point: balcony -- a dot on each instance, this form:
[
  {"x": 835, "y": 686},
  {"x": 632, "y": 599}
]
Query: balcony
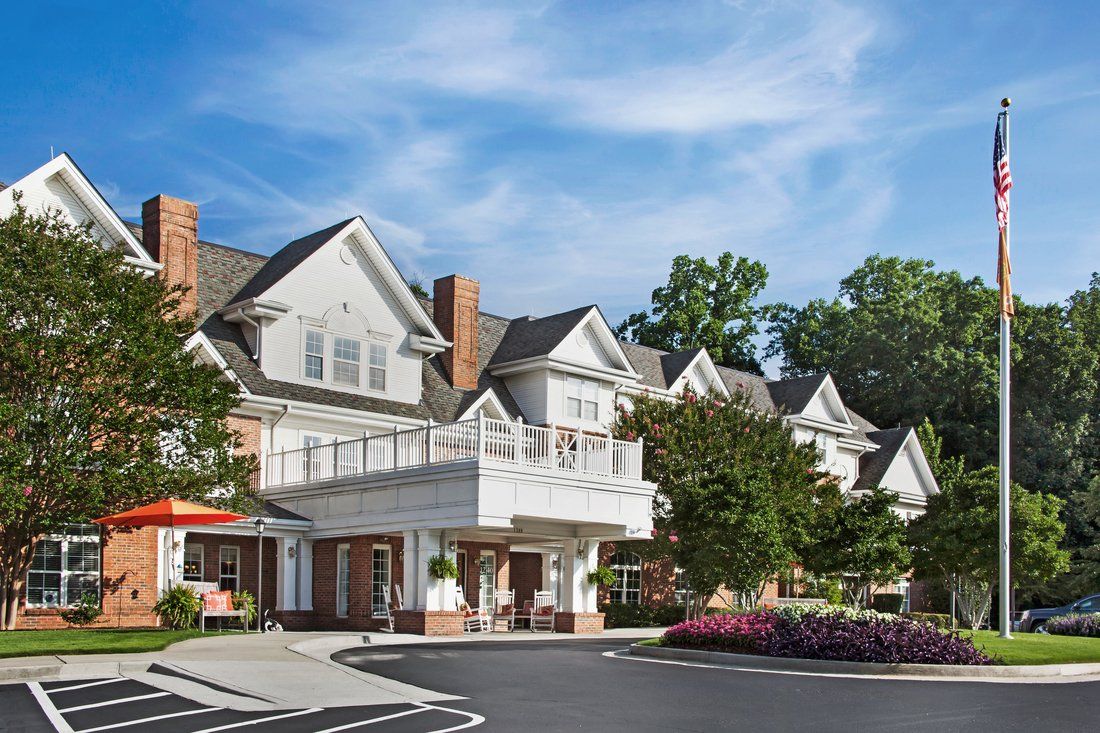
[{"x": 477, "y": 440}]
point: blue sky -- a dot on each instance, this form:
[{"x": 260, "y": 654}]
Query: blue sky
[{"x": 563, "y": 153}]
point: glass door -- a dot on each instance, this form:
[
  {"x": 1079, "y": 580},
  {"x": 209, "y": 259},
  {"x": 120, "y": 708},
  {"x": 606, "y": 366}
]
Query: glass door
[{"x": 488, "y": 570}]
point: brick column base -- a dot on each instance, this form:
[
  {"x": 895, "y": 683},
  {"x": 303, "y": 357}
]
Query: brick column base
[
  {"x": 578, "y": 623},
  {"x": 428, "y": 623}
]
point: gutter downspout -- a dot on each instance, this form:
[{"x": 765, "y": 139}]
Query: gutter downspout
[
  {"x": 271, "y": 438},
  {"x": 259, "y": 334}
]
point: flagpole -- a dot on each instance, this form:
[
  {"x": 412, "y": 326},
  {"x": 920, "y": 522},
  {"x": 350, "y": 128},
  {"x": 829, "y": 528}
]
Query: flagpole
[{"x": 1006, "y": 350}]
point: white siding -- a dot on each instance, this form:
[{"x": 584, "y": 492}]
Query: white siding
[
  {"x": 903, "y": 476},
  {"x": 56, "y": 194},
  {"x": 583, "y": 345},
  {"x": 323, "y": 281},
  {"x": 530, "y": 391}
]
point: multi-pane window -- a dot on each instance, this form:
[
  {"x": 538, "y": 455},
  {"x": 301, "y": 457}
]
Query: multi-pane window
[
  {"x": 192, "y": 563},
  {"x": 680, "y": 586},
  {"x": 229, "y": 567},
  {"x": 628, "y": 578},
  {"x": 379, "y": 579},
  {"x": 64, "y": 567},
  {"x": 582, "y": 398},
  {"x": 315, "y": 355},
  {"x": 345, "y": 361},
  {"x": 901, "y": 587},
  {"x": 376, "y": 378},
  {"x": 487, "y": 569},
  {"x": 343, "y": 579}
]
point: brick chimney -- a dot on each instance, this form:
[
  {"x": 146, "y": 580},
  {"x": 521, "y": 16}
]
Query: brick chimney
[
  {"x": 170, "y": 234},
  {"x": 456, "y": 304}
]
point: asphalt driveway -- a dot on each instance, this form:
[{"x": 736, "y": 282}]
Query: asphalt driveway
[{"x": 559, "y": 685}]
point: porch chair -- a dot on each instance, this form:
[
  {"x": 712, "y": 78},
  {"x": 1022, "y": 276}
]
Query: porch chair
[
  {"x": 542, "y": 617},
  {"x": 504, "y": 609},
  {"x": 473, "y": 619},
  {"x": 389, "y": 608}
]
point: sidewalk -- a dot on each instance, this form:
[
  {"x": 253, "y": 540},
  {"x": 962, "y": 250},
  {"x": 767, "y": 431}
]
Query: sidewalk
[{"x": 266, "y": 671}]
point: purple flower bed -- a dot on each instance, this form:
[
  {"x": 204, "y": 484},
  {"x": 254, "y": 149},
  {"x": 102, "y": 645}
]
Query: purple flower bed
[
  {"x": 1075, "y": 624},
  {"x": 822, "y": 634},
  {"x": 744, "y": 633}
]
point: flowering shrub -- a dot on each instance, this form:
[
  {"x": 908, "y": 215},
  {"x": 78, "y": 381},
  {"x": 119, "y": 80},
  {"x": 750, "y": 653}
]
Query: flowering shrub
[
  {"x": 744, "y": 633},
  {"x": 1075, "y": 624},
  {"x": 826, "y": 632},
  {"x": 892, "y": 641}
]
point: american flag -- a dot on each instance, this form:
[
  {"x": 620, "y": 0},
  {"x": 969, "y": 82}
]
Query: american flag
[{"x": 1002, "y": 182}]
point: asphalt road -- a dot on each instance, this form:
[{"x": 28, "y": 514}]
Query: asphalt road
[
  {"x": 570, "y": 685},
  {"x": 119, "y": 704}
]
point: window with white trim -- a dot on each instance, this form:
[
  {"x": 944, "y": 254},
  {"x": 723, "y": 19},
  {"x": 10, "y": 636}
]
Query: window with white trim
[
  {"x": 314, "y": 366},
  {"x": 229, "y": 567},
  {"x": 376, "y": 375},
  {"x": 582, "y": 398},
  {"x": 311, "y": 460},
  {"x": 345, "y": 361},
  {"x": 64, "y": 567},
  {"x": 901, "y": 587},
  {"x": 487, "y": 570},
  {"x": 379, "y": 579},
  {"x": 628, "y": 578},
  {"x": 680, "y": 586},
  {"x": 192, "y": 563},
  {"x": 343, "y": 579}
]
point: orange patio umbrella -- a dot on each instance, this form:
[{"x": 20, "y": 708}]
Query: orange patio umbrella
[{"x": 169, "y": 513}]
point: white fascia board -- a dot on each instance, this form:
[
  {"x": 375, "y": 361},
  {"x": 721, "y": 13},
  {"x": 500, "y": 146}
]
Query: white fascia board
[
  {"x": 912, "y": 444},
  {"x": 290, "y": 528},
  {"x": 254, "y": 308},
  {"x": 819, "y": 424},
  {"x": 392, "y": 276},
  {"x": 489, "y": 398},
  {"x": 198, "y": 340},
  {"x": 715, "y": 377},
  {"x": 146, "y": 268},
  {"x": 359, "y": 418},
  {"x": 607, "y": 336},
  {"x": 849, "y": 442},
  {"x": 427, "y": 344},
  {"x": 833, "y": 395},
  {"x": 537, "y": 363},
  {"x": 69, "y": 172}
]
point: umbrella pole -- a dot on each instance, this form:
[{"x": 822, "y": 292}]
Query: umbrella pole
[{"x": 171, "y": 553}]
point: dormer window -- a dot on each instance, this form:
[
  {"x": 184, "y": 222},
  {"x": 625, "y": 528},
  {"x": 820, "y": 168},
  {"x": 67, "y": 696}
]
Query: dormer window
[
  {"x": 345, "y": 361},
  {"x": 376, "y": 377},
  {"x": 582, "y": 398},
  {"x": 315, "y": 355}
]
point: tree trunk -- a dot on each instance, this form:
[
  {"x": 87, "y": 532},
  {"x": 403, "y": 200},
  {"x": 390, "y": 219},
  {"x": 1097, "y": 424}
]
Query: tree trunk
[{"x": 15, "y": 560}]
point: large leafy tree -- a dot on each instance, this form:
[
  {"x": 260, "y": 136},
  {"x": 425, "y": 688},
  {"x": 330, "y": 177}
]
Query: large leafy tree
[
  {"x": 705, "y": 305},
  {"x": 862, "y": 540},
  {"x": 101, "y": 408},
  {"x": 738, "y": 494},
  {"x": 956, "y": 541}
]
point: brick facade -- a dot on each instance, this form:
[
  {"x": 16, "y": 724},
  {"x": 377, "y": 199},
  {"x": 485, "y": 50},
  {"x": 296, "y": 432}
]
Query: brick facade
[
  {"x": 248, "y": 569},
  {"x": 248, "y": 432},
  {"x": 428, "y": 623},
  {"x": 578, "y": 623},
  {"x": 525, "y": 575},
  {"x": 471, "y": 584},
  {"x": 359, "y": 616}
]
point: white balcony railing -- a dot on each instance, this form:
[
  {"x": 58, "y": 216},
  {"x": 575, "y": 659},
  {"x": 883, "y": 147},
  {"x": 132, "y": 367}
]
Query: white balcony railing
[{"x": 476, "y": 439}]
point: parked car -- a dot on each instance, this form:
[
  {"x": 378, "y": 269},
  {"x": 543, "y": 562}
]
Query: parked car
[{"x": 1035, "y": 619}]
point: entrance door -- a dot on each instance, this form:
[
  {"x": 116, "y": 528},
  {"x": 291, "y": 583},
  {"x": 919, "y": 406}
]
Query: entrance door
[{"x": 487, "y": 568}]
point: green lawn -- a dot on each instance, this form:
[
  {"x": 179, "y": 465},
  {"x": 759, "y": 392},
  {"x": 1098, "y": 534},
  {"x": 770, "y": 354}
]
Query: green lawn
[
  {"x": 79, "y": 641},
  {"x": 1037, "y": 648}
]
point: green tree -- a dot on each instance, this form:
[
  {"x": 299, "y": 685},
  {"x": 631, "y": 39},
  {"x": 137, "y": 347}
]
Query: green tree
[
  {"x": 705, "y": 305},
  {"x": 102, "y": 409},
  {"x": 737, "y": 493},
  {"x": 862, "y": 540}
]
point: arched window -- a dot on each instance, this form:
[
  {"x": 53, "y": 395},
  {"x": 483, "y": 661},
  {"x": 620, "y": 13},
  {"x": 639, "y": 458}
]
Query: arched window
[{"x": 628, "y": 578}]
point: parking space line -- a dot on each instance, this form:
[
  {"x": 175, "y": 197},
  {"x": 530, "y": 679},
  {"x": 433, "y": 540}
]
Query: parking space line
[
  {"x": 116, "y": 701},
  {"x": 139, "y": 721},
  {"x": 51, "y": 711},
  {"x": 372, "y": 721},
  {"x": 255, "y": 721},
  {"x": 85, "y": 684},
  {"x": 475, "y": 719}
]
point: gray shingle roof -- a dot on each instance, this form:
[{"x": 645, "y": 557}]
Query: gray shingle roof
[
  {"x": 529, "y": 337},
  {"x": 647, "y": 363},
  {"x": 673, "y": 365},
  {"x": 271, "y": 510},
  {"x": 792, "y": 395},
  {"x": 873, "y": 466},
  {"x": 753, "y": 384}
]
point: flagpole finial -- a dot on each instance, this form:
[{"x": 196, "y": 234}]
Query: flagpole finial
[{"x": 1005, "y": 102}]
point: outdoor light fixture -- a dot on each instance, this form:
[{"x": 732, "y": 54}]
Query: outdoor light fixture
[
  {"x": 451, "y": 545},
  {"x": 260, "y": 525}
]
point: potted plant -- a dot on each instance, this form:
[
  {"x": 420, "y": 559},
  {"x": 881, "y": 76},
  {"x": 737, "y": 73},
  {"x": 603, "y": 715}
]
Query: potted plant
[
  {"x": 178, "y": 607},
  {"x": 602, "y": 575},
  {"x": 442, "y": 567}
]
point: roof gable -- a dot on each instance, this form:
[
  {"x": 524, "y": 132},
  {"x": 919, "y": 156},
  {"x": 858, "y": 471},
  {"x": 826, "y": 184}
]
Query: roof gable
[
  {"x": 531, "y": 337},
  {"x": 61, "y": 185},
  {"x": 898, "y": 465}
]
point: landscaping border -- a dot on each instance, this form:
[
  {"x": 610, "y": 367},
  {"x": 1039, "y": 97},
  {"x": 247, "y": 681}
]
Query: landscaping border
[{"x": 869, "y": 669}]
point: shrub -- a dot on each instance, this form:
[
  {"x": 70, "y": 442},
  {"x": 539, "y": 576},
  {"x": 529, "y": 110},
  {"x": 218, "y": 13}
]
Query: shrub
[
  {"x": 243, "y": 600},
  {"x": 941, "y": 621},
  {"x": 887, "y": 602},
  {"x": 889, "y": 640},
  {"x": 1075, "y": 624},
  {"x": 626, "y": 615},
  {"x": 178, "y": 607},
  {"x": 827, "y": 588},
  {"x": 667, "y": 615},
  {"x": 85, "y": 612},
  {"x": 796, "y": 612},
  {"x": 745, "y": 633}
]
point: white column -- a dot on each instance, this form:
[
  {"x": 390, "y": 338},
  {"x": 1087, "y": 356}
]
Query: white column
[
  {"x": 305, "y": 575},
  {"x": 572, "y": 578},
  {"x": 428, "y": 589},
  {"x": 409, "y": 563},
  {"x": 286, "y": 574},
  {"x": 548, "y": 575},
  {"x": 591, "y": 559},
  {"x": 169, "y": 556}
]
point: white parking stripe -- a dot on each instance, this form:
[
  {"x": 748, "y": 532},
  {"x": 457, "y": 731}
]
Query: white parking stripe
[
  {"x": 260, "y": 720},
  {"x": 48, "y": 708},
  {"x": 86, "y": 684},
  {"x": 475, "y": 719},
  {"x": 372, "y": 721},
  {"x": 148, "y": 720},
  {"x": 116, "y": 701}
]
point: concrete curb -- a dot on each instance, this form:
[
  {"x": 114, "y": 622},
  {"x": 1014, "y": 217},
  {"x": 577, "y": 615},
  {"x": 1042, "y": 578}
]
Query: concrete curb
[
  {"x": 867, "y": 669},
  {"x": 65, "y": 671}
]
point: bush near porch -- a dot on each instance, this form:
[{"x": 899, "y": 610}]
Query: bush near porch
[
  {"x": 632, "y": 616},
  {"x": 828, "y": 633}
]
